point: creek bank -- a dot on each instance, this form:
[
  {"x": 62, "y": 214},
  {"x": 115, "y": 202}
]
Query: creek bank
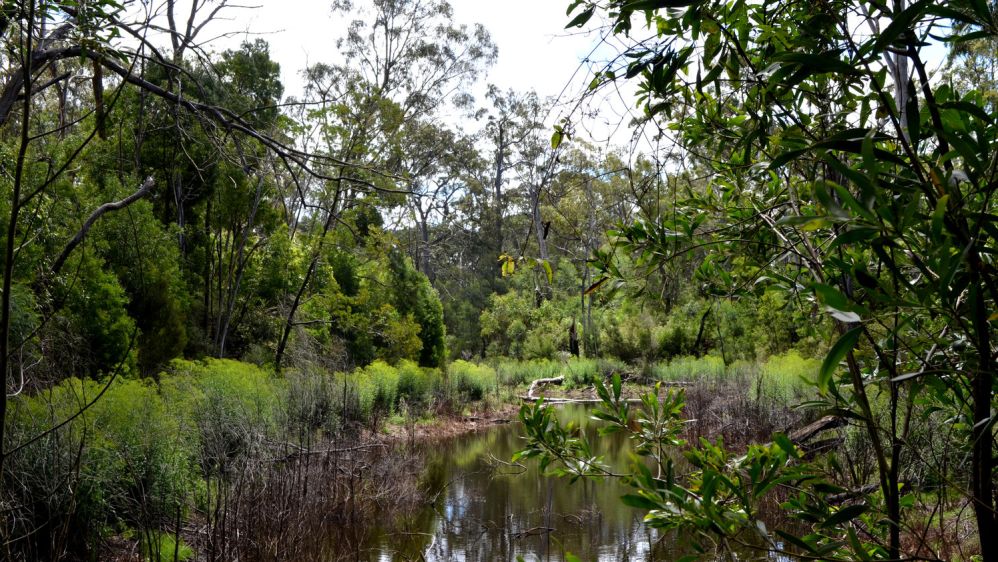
[{"x": 444, "y": 426}]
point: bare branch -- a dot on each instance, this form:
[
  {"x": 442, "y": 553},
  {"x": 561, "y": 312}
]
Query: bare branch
[{"x": 98, "y": 213}]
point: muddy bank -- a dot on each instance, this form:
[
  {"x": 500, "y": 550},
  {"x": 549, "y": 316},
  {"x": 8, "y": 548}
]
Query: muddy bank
[{"x": 446, "y": 425}]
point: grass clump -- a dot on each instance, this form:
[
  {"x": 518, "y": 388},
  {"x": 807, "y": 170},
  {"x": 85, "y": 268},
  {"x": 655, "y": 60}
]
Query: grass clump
[
  {"x": 690, "y": 369},
  {"x": 470, "y": 382},
  {"x": 785, "y": 377},
  {"x": 156, "y": 546}
]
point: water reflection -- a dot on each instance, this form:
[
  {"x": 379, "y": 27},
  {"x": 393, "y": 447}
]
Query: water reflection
[{"x": 495, "y": 511}]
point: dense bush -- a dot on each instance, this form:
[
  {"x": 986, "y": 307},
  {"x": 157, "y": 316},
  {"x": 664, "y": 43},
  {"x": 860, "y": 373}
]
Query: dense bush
[
  {"x": 470, "y": 382},
  {"x": 146, "y": 449},
  {"x": 681, "y": 369}
]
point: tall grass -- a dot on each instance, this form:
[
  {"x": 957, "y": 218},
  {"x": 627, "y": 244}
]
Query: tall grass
[
  {"x": 579, "y": 372},
  {"x": 471, "y": 382},
  {"x": 690, "y": 369},
  {"x": 785, "y": 377}
]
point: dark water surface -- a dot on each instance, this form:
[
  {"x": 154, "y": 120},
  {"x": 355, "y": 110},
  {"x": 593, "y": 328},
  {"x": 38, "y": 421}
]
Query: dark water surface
[{"x": 488, "y": 509}]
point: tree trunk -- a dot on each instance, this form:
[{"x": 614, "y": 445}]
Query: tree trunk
[{"x": 241, "y": 260}]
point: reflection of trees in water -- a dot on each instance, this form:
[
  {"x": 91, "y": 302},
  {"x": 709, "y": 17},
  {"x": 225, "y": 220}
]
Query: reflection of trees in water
[{"x": 486, "y": 508}]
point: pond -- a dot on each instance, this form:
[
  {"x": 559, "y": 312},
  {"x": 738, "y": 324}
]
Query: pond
[
  {"x": 485, "y": 508},
  {"x": 488, "y": 509}
]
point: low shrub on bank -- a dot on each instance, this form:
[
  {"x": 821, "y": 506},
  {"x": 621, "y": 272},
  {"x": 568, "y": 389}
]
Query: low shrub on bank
[
  {"x": 781, "y": 378},
  {"x": 784, "y": 377},
  {"x": 689, "y": 369},
  {"x": 470, "y": 382},
  {"x": 142, "y": 451}
]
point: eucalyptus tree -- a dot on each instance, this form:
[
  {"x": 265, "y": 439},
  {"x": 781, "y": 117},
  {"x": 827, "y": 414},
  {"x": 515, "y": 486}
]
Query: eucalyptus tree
[
  {"x": 838, "y": 171},
  {"x": 403, "y": 62},
  {"x": 413, "y": 52}
]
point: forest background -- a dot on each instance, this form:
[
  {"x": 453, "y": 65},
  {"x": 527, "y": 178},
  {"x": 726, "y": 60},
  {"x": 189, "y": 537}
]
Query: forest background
[{"x": 201, "y": 270}]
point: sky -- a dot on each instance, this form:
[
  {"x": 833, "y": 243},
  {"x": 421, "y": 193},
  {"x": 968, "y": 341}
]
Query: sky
[{"x": 535, "y": 51}]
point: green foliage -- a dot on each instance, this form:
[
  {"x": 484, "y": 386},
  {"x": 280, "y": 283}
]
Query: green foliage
[
  {"x": 787, "y": 377},
  {"x": 379, "y": 384},
  {"x": 417, "y": 385},
  {"x": 469, "y": 382},
  {"x": 515, "y": 327},
  {"x": 156, "y": 546},
  {"x": 414, "y": 295},
  {"x": 826, "y": 166},
  {"x": 683, "y": 369},
  {"x": 97, "y": 305},
  {"x": 150, "y": 274}
]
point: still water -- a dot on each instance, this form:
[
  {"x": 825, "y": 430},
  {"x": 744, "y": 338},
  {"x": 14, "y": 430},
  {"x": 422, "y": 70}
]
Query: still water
[{"x": 490, "y": 510}]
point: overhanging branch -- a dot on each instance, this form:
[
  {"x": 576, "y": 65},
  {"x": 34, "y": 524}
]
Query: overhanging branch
[{"x": 98, "y": 213}]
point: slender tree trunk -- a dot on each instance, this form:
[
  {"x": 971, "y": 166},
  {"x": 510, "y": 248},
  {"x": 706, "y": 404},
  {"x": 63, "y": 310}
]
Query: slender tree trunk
[
  {"x": 542, "y": 243},
  {"x": 11, "y": 241},
  {"x": 497, "y": 187},
  {"x": 290, "y": 319},
  {"x": 982, "y": 458},
  {"x": 241, "y": 261},
  {"x": 424, "y": 250}
]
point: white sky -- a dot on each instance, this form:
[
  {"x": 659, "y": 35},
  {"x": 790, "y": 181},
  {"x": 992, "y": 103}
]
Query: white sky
[{"x": 535, "y": 51}]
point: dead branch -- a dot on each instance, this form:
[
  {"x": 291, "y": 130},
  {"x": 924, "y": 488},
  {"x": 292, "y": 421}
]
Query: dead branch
[{"x": 98, "y": 213}]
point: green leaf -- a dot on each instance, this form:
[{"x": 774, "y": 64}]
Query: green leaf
[
  {"x": 830, "y": 296},
  {"x": 796, "y": 541},
  {"x": 582, "y": 18},
  {"x": 967, "y": 107},
  {"x": 842, "y": 347},
  {"x": 844, "y": 515},
  {"x": 900, "y": 24},
  {"x": 639, "y": 502},
  {"x": 547, "y": 269},
  {"x": 595, "y": 286},
  {"x": 784, "y": 443}
]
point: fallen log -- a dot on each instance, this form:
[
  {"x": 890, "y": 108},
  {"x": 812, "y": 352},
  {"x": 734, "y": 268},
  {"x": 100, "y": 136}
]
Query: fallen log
[
  {"x": 540, "y": 382},
  {"x": 853, "y": 494},
  {"x": 806, "y": 433}
]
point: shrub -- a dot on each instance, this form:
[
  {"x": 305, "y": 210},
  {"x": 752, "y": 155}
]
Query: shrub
[
  {"x": 125, "y": 459},
  {"x": 416, "y": 385},
  {"x": 235, "y": 409},
  {"x": 581, "y": 372},
  {"x": 470, "y": 382},
  {"x": 311, "y": 402},
  {"x": 689, "y": 369},
  {"x": 784, "y": 377},
  {"x": 378, "y": 384}
]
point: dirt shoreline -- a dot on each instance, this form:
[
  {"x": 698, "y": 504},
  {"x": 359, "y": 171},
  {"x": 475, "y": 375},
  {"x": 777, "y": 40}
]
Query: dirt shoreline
[{"x": 447, "y": 426}]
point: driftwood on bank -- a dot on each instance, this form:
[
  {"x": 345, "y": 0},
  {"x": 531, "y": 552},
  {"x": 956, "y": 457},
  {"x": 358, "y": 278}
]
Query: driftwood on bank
[
  {"x": 806, "y": 433},
  {"x": 532, "y": 396},
  {"x": 542, "y": 382}
]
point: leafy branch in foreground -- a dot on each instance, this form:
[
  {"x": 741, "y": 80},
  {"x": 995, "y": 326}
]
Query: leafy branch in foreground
[
  {"x": 722, "y": 501},
  {"x": 833, "y": 168}
]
